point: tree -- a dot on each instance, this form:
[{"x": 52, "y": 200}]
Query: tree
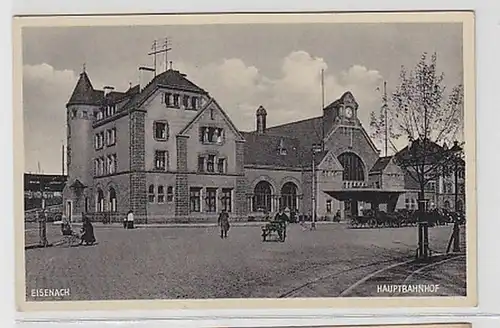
[{"x": 423, "y": 111}]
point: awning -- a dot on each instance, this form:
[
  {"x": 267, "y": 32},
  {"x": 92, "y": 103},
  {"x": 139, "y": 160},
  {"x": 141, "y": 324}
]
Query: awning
[{"x": 365, "y": 194}]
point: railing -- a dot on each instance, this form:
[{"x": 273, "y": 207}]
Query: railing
[{"x": 360, "y": 185}]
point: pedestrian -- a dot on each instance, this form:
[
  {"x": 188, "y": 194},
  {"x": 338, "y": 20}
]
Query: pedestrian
[
  {"x": 130, "y": 220},
  {"x": 88, "y": 236},
  {"x": 336, "y": 218},
  {"x": 282, "y": 219},
  {"x": 223, "y": 223},
  {"x": 42, "y": 228}
]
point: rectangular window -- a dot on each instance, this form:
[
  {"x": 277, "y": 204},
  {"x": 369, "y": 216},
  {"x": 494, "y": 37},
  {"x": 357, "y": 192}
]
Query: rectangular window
[
  {"x": 226, "y": 199},
  {"x": 111, "y": 137},
  {"x": 221, "y": 165},
  {"x": 170, "y": 193},
  {"x": 151, "y": 193},
  {"x": 160, "y": 131},
  {"x": 160, "y": 160},
  {"x": 161, "y": 194},
  {"x": 431, "y": 186},
  {"x": 194, "y": 103},
  {"x": 101, "y": 166},
  {"x": 176, "y": 101},
  {"x": 211, "y": 200},
  {"x": 211, "y": 163},
  {"x": 329, "y": 206},
  {"x": 211, "y": 135},
  {"x": 407, "y": 203},
  {"x": 168, "y": 97},
  {"x": 185, "y": 101},
  {"x": 201, "y": 164},
  {"x": 108, "y": 164},
  {"x": 194, "y": 199}
]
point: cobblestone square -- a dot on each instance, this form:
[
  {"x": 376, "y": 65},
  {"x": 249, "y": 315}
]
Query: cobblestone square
[{"x": 193, "y": 262}]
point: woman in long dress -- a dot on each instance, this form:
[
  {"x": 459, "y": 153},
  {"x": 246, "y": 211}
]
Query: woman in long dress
[{"x": 88, "y": 236}]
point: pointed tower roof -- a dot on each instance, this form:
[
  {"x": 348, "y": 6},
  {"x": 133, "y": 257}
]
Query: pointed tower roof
[
  {"x": 261, "y": 110},
  {"x": 84, "y": 93}
]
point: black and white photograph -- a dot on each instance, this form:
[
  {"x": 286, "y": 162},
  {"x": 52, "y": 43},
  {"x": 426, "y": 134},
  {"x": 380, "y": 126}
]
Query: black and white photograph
[{"x": 245, "y": 158}]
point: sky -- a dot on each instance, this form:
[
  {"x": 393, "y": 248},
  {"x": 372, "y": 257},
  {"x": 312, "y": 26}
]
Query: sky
[{"x": 242, "y": 66}]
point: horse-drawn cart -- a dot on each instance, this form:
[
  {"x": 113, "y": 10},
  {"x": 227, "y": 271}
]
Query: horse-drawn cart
[{"x": 276, "y": 228}]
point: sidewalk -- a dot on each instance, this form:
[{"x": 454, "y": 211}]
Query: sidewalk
[{"x": 195, "y": 225}]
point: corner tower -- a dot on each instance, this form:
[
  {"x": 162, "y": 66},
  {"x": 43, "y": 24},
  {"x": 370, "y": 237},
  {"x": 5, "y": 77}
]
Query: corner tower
[
  {"x": 80, "y": 111},
  {"x": 261, "y": 120}
]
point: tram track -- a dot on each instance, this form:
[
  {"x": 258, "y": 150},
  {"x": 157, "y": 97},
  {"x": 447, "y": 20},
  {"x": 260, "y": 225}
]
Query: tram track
[{"x": 396, "y": 271}]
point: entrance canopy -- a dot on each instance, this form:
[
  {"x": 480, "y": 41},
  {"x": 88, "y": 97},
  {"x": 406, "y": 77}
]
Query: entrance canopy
[{"x": 369, "y": 195}]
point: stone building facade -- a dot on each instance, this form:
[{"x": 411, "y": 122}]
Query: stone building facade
[{"x": 166, "y": 150}]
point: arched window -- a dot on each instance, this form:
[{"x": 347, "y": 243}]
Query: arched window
[
  {"x": 112, "y": 199},
  {"x": 354, "y": 170},
  {"x": 447, "y": 204},
  {"x": 262, "y": 197},
  {"x": 289, "y": 196},
  {"x": 99, "y": 200},
  {"x": 151, "y": 193}
]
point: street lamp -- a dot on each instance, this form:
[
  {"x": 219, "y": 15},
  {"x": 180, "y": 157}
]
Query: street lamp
[
  {"x": 456, "y": 150},
  {"x": 316, "y": 148}
]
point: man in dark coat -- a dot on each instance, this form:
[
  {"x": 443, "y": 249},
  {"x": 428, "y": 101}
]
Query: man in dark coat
[
  {"x": 223, "y": 222},
  {"x": 282, "y": 218}
]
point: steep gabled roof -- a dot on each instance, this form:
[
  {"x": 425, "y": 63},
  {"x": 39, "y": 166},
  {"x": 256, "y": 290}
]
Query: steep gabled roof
[
  {"x": 224, "y": 115},
  {"x": 84, "y": 93},
  {"x": 381, "y": 164},
  {"x": 264, "y": 150},
  {"x": 309, "y": 130},
  {"x": 168, "y": 79}
]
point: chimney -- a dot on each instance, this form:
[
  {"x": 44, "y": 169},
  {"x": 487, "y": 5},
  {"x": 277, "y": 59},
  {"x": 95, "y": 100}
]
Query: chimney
[
  {"x": 146, "y": 75},
  {"x": 107, "y": 90},
  {"x": 261, "y": 120}
]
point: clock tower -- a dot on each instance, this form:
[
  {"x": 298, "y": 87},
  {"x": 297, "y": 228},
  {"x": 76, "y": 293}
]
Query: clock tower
[{"x": 348, "y": 109}]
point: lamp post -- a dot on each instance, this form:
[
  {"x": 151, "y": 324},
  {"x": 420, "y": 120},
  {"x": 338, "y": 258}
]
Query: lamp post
[
  {"x": 316, "y": 148},
  {"x": 456, "y": 150}
]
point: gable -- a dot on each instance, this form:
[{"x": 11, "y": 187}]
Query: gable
[
  {"x": 211, "y": 113},
  {"x": 392, "y": 168},
  {"x": 330, "y": 163}
]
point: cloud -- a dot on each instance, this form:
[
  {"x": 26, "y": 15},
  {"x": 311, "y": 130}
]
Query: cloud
[
  {"x": 294, "y": 94},
  {"x": 45, "y": 93}
]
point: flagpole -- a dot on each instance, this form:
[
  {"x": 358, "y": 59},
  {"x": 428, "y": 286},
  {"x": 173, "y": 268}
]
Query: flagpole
[{"x": 385, "y": 116}]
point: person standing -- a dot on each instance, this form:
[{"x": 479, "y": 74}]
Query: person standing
[
  {"x": 223, "y": 222},
  {"x": 282, "y": 219},
  {"x": 130, "y": 220}
]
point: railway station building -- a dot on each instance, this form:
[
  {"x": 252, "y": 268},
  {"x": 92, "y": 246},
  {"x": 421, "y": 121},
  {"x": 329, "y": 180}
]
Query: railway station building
[{"x": 166, "y": 150}]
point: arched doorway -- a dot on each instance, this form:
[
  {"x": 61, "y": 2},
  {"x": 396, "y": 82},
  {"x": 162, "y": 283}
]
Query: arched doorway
[
  {"x": 354, "y": 169},
  {"x": 289, "y": 196},
  {"x": 112, "y": 199},
  {"x": 100, "y": 200},
  {"x": 262, "y": 197}
]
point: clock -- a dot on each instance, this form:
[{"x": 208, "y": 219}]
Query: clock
[{"x": 348, "y": 112}]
